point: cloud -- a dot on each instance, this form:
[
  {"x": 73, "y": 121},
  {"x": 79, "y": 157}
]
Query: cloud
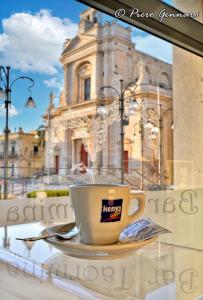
[
  {"x": 154, "y": 46},
  {"x": 55, "y": 83},
  {"x": 13, "y": 112},
  {"x": 34, "y": 42}
]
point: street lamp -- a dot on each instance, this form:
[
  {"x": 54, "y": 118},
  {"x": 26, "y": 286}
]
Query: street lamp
[
  {"x": 150, "y": 129},
  {"x": 155, "y": 130},
  {"x": 143, "y": 129},
  {"x": 141, "y": 132},
  {"x": 132, "y": 107},
  {"x": 6, "y": 94}
]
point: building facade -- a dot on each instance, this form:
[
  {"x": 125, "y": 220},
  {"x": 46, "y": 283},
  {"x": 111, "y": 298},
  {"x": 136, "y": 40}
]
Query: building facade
[
  {"x": 26, "y": 154},
  {"x": 102, "y": 55}
]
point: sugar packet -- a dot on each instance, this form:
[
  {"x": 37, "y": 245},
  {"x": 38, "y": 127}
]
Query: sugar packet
[{"x": 142, "y": 229}]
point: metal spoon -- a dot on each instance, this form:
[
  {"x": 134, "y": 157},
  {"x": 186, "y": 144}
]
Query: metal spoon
[{"x": 64, "y": 232}]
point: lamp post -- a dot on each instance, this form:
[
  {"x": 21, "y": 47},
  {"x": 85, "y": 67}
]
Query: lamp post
[
  {"x": 155, "y": 130},
  {"x": 40, "y": 137},
  {"x": 132, "y": 106},
  {"x": 49, "y": 111},
  {"x": 140, "y": 128},
  {"x": 6, "y": 94},
  {"x": 142, "y": 152}
]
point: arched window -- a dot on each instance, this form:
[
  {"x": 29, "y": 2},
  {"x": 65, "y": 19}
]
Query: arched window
[
  {"x": 147, "y": 76},
  {"x": 164, "y": 81},
  {"x": 84, "y": 82}
]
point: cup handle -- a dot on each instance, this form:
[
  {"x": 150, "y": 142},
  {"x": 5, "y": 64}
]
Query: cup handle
[{"x": 141, "y": 205}]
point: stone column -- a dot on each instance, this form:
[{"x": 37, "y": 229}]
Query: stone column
[
  {"x": 188, "y": 111},
  {"x": 63, "y": 152},
  {"x": 106, "y": 66},
  {"x": 73, "y": 84},
  {"x": 69, "y": 149},
  {"x": 66, "y": 83},
  {"x": 94, "y": 77},
  {"x": 73, "y": 152},
  {"x": 98, "y": 72}
]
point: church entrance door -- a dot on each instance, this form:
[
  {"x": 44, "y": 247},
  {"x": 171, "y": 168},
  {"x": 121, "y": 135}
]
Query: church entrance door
[{"x": 57, "y": 164}]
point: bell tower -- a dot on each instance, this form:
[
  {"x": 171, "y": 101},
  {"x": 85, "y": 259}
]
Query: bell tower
[{"x": 88, "y": 19}]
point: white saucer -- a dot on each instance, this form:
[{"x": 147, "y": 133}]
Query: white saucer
[{"x": 76, "y": 248}]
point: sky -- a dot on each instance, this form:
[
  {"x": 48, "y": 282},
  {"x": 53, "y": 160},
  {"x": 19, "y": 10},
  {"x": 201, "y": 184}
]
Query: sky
[{"x": 32, "y": 34}]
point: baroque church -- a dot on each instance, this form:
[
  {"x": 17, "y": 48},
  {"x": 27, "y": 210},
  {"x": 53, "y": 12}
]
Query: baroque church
[{"x": 101, "y": 55}]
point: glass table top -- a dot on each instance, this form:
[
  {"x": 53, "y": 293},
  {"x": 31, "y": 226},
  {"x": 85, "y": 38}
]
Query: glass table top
[{"x": 38, "y": 270}]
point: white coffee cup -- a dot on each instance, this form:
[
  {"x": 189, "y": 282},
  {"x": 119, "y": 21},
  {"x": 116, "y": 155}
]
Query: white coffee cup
[{"x": 102, "y": 211}]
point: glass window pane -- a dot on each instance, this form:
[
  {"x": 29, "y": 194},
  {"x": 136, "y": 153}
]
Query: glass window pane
[{"x": 87, "y": 88}]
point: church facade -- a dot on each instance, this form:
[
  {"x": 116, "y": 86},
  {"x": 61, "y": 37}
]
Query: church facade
[{"x": 101, "y": 55}]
